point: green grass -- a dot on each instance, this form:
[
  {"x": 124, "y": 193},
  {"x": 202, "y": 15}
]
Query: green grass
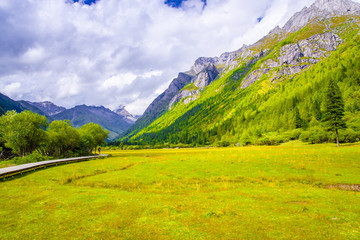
[{"x": 222, "y": 193}]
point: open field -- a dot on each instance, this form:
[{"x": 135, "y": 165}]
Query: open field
[{"x": 284, "y": 192}]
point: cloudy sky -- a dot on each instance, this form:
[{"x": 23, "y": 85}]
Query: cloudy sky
[{"x": 112, "y": 52}]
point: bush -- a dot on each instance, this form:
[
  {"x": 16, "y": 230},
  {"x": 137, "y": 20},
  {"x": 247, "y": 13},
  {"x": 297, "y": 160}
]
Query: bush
[
  {"x": 33, "y": 157},
  {"x": 315, "y": 135},
  {"x": 224, "y": 144},
  {"x": 246, "y": 139},
  {"x": 271, "y": 139},
  {"x": 294, "y": 134},
  {"x": 134, "y": 147},
  {"x": 349, "y": 136}
]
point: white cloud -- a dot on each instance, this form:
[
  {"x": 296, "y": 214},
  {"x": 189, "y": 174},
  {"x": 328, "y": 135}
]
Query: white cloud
[
  {"x": 68, "y": 86},
  {"x": 12, "y": 88},
  {"x": 33, "y": 55},
  {"x": 118, "y": 81},
  {"x": 120, "y": 52}
]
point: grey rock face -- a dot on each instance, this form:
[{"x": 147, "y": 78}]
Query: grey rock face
[
  {"x": 202, "y": 62},
  {"x": 187, "y": 95},
  {"x": 162, "y": 101},
  {"x": 322, "y": 9},
  {"x": 208, "y": 74},
  {"x": 293, "y": 58},
  {"x": 227, "y": 59}
]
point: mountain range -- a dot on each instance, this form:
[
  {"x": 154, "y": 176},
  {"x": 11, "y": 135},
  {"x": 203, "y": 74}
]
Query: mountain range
[
  {"x": 227, "y": 98},
  {"x": 115, "y": 122}
]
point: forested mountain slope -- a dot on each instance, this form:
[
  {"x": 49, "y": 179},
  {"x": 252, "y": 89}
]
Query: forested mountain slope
[
  {"x": 7, "y": 104},
  {"x": 271, "y": 91}
]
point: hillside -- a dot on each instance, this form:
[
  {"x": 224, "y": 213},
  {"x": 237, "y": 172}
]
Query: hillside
[
  {"x": 81, "y": 115},
  {"x": 266, "y": 93},
  {"x": 7, "y": 104}
]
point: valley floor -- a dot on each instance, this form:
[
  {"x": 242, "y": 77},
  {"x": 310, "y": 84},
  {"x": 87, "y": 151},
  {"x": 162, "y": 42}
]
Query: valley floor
[{"x": 290, "y": 191}]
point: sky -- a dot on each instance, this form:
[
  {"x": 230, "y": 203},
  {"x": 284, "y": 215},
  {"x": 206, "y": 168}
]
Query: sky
[{"x": 113, "y": 52}]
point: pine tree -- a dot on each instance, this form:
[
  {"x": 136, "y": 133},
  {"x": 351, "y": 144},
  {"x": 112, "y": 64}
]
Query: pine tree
[
  {"x": 334, "y": 108},
  {"x": 297, "y": 118}
]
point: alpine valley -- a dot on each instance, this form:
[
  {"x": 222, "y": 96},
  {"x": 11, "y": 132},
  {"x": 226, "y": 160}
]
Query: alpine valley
[{"x": 266, "y": 93}]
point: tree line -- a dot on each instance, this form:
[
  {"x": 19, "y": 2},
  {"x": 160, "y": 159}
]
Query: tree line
[{"x": 28, "y": 133}]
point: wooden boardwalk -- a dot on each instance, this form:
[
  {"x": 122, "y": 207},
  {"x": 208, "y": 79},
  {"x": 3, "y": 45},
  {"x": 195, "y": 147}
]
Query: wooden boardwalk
[{"x": 7, "y": 172}]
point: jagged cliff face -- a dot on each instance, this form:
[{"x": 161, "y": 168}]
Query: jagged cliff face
[
  {"x": 206, "y": 74},
  {"x": 262, "y": 58}
]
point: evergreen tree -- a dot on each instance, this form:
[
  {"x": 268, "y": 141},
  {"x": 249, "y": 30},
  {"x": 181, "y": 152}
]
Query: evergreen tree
[
  {"x": 297, "y": 118},
  {"x": 334, "y": 108}
]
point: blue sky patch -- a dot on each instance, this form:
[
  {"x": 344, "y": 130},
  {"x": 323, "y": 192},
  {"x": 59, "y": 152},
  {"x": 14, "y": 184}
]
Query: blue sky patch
[
  {"x": 177, "y": 3},
  {"x": 88, "y": 2}
]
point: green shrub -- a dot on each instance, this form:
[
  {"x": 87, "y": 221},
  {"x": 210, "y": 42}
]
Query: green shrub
[
  {"x": 33, "y": 157},
  {"x": 315, "y": 135},
  {"x": 294, "y": 134},
  {"x": 349, "y": 136},
  {"x": 224, "y": 144}
]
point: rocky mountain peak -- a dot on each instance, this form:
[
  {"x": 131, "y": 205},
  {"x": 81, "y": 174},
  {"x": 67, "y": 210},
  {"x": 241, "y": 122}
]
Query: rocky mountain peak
[
  {"x": 121, "y": 111},
  {"x": 322, "y": 9}
]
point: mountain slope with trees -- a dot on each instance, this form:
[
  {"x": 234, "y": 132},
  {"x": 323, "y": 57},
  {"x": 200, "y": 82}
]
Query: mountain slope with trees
[
  {"x": 7, "y": 104},
  {"x": 274, "y": 90}
]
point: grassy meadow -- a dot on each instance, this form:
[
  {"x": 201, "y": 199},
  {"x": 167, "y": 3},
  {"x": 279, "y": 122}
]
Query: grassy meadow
[{"x": 290, "y": 191}]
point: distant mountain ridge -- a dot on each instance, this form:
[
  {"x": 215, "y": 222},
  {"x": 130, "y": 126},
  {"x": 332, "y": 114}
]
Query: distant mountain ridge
[
  {"x": 48, "y": 107},
  {"x": 82, "y": 114},
  {"x": 116, "y": 122}
]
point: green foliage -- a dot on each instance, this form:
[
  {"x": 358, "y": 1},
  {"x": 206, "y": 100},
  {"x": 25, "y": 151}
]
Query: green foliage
[
  {"x": 334, "y": 108},
  {"x": 315, "y": 134},
  {"x": 62, "y": 138},
  {"x": 92, "y": 135},
  {"x": 33, "y": 157},
  {"x": 24, "y": 132}
]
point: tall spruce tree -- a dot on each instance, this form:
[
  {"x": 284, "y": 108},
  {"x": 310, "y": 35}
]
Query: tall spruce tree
[{"x": 334, "y": 108}]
